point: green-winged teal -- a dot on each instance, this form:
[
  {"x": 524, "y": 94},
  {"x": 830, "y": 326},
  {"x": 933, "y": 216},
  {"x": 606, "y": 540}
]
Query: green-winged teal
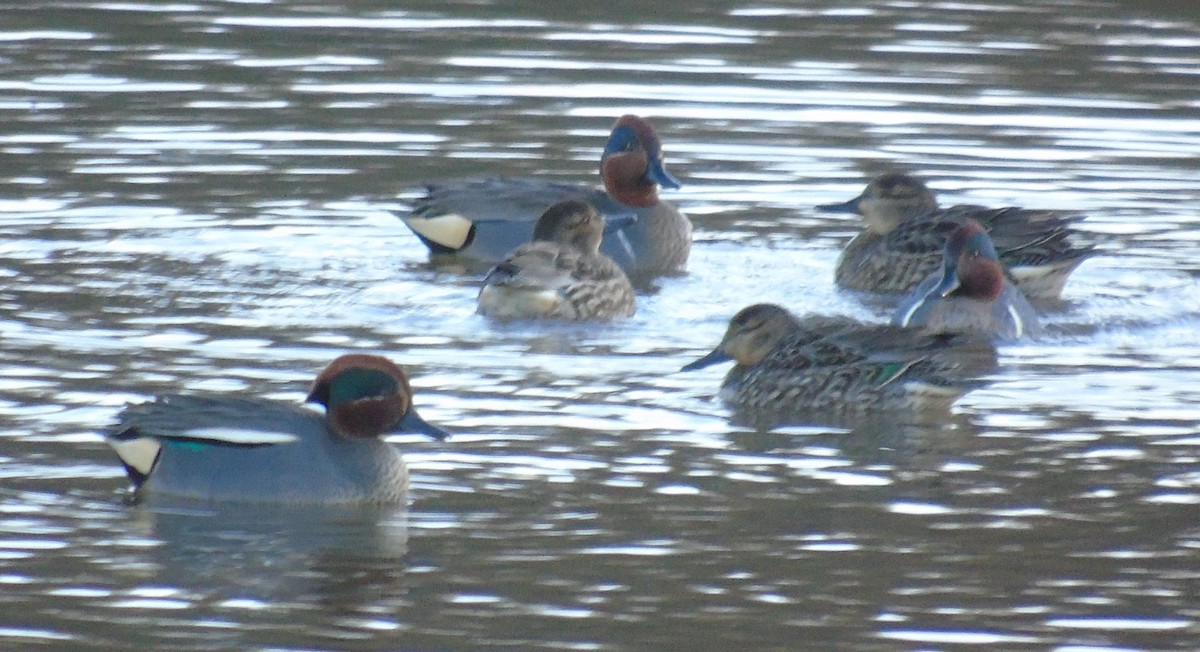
[
  {"x": 481, "y": 220},
  {"x": 970, "y": 293},
  {"x": 220, "y": 447},
  {"x": 839, "y": 366},
  {"x": 561, "y": 274},
  {"x": 905, "y": 230}
]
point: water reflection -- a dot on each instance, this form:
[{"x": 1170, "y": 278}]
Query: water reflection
[
  {"x": 198, "y": 195},
  {"x": 232, "y": 544}
]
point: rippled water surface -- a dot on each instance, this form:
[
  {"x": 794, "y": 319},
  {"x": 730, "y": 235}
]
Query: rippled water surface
[{"x": 201, "y": 195}]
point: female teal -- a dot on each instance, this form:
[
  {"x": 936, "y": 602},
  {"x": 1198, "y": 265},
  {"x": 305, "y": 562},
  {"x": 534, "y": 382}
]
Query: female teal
[
  {"x": 561, "y": 274},
  {"x": 905, "y": 229},
  {"x": 836, "y": 365}
]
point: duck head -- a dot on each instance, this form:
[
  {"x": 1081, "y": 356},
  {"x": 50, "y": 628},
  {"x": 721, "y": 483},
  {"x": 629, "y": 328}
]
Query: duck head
[
  {"x": 970, "y": 267},
  {"x": 889, "y": 200},
  {"x": 752, "y": 334},
  {"x": 632, "y": 166},
  {"x": 577, "y": 223},
  {"x": 366, "y": 396}
]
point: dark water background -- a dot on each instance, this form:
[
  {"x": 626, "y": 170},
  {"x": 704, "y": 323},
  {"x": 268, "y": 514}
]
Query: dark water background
[{"x": 197, "y": 195}]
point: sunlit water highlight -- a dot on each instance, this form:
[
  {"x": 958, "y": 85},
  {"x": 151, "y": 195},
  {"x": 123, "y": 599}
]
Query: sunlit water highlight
[{"x": 200, "y": 197}]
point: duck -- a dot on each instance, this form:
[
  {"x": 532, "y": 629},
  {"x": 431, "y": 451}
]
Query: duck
[
  {"x": 833, "y": 365},
  {"x": 479, "y": 220},
  {"x": 970, "y": 293},
  {"x": 905, "y": 229},
  {"x": 561, "y": 274},
  {"x": 219, "y": 447}
]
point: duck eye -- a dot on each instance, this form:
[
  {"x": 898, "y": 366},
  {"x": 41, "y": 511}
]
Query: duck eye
[{"x": 749, "y": 327}]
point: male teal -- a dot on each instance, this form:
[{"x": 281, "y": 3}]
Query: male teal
[
  {"x": 970, "y": 294},
  {"x": 481, "y": 220},
  {"x": 221, "y": 447}
]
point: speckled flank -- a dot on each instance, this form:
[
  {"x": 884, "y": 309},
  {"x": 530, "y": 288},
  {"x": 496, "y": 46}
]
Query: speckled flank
[
  {"x": 839, "y": 365},
  {"x": 904, "y": 231},
  {"x": 563, "y": 276}
]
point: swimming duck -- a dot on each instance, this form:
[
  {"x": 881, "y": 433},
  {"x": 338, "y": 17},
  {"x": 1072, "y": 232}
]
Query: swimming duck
[
  {"x": 219, "y": 447},
  {"x": 970, "y": 293},
  {"x": 481, "y": 220},
  {"x": 905, "y": 230},
  {"x": 561, "y": 274},
  {"x": 841, "y": 366}
]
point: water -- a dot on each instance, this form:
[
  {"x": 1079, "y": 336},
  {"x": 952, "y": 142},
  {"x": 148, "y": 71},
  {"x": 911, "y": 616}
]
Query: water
[{"x": 197, "y": 196}]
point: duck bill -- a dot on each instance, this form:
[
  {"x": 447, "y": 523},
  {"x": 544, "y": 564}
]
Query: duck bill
[
  {"x": 715, "y": 357},
  {"x": 412, "y": 422},
  {"x": 844, "y": 207},
  {"x": 614, "y": 223},
  {"x": 657, "y": 172}
]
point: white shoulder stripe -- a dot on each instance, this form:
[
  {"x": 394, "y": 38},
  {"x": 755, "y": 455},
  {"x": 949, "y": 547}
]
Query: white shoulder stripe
[
  {"x": 1017, "y": 322},
  {"x": 906, "y": 318},
  {"x": 624, "y": 242}
]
